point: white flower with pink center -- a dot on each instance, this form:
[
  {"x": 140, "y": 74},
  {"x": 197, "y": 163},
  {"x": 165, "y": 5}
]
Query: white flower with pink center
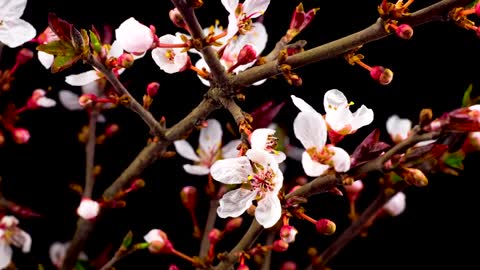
[
  {"x": 10, "y": 234},
  {"x": 88, "y": 208},
  {"x": 241, "y": 15},
  {"x": 13, "y": 30},
  {"x": 261, "y": 180},
  {"x": 209, "y": 149},
  {"x": 264, "y": 139},
  {"x": 398, "y": 128},
  {"x": 170, "y": 60},
  {"x": 134, "y": 37},
  {"x": 58, "y": 251},
  {"x": 396, "y": 205},
  {"x": 311, "y": 130}
]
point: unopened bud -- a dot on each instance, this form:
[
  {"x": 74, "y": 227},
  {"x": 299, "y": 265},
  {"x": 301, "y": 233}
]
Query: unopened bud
[
  {"x": 415, "y": 177},
  {"x": 125, "y": 60},
  {"x": 111, "y": 129},
  {"x": 247, "y": 54},
  {"x": 288, "y": 265},
  {"x": 233, "y": 224},
  {"x": 173, "y": 267},
  {"x": 288, "y": 233},
  {"x": 280, "y": 246},
  {"x": 404, "y": 31},
  {"x": 176, "y": 18},
  {"x": 383, "y": 75},
  {"x": 477, "y": 9},
  {"x": 23, "y": 56},
  {"x": 214, "y": 236},
  {"x": 326, "y": 226},
  {"x": 354, "y": 190},
  {"x": 158, "y": 241},
  {"x": 189, "y": 197},
  {"x": 426, "y": 116},
  {"x": 243, "y": 267},
  {"x": 301, "y": 180},
  {"x": 396, "y": 205},
  {"x": 137, "y": 184},
  {"x": 152, "y": 89},
  {"x": 21, "y": 135},
  {"x": 88, "y": 208},
  {"x": 86, "y": 99}
]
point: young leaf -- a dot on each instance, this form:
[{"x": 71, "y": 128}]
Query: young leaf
[
  {"x": 57, "y": 47},
  {"x": 371, "y": 147},
  {"x": 127, "y": 240},
  {"x": 264, "y": 115},
  {"x": 62, "y": 28},
  {"x": 62, "y": 62},
  {"x": 467, "y": 100},
  {"x": 454, "y": 160},
  {"x": 95, "y": 42}
]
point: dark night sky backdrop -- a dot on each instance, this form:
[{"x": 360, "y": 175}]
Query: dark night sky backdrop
[{"x": 431, "y": 70}]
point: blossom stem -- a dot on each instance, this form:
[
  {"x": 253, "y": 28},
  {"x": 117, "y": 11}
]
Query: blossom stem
[
  {"x": 409, "y": 2},
  {"x": 219, "y": 36},
  {"x": 183, "y": 256},
  {"x": 362, "y": 64},
  {"x": 90, "y": 154},
  {"x": 165, "y": 45},
  {"x": 200, "y": 72},
  {"x": 471, "y": 26},
  {"x": 22, "y": 109},
  {"x": 466, "y": 12},
  {"x": 307, "y": 218}
]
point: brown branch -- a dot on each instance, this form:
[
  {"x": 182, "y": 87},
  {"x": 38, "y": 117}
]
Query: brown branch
[
  {"x": 211, "y": 58},
  {"x": 267, "y": 261},
  {"x": 147, "y": 117},
  {"x": 90, "y": 154},
  {"x": 281, "y": 45},
  {"x": 120, "y": 254},
  {"x": 209, "y": 225},
  {"x": 335, "y": 48}
]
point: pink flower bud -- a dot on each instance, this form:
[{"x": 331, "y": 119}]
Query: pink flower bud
[
  {"x": 23, "y": 56},
  {"x": 404, "y": 31},
  {"x": 477, "y": 9},
  {"x": 280, "y": 246},
  {"x": 383, "y": 75},
  {"x": 354, "y": 190},
  {"x": 158, "y": 241},
  {"x": 176, "y": 18},
  {"x": 189, "y": 197},
  {"x": 243, "y": 267},
  {"x": 247, "y": 54},
  {"x": 325, "y": 226},
  {"x": 173, "y": 267},
  {"x": 21, "y": 135},
  {"x": 125, "y": 60},
  {"x": 233, "y": 224},
  {"x": 86, "y": 99},
  {"x": 111, "y": 130},
  {"x": 288, "y": 233},
  {"x": 214, "y": 235},
  {"x": 152, "y": 89},
  {"x": 88, "y": 208},
  {"x": 288, "y": 265}
]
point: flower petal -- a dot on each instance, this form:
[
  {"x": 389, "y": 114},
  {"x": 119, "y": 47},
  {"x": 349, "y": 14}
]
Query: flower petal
[
  {"x": 269, "y": 210},
  {"x": 185, "y": 150},
  {"x": 334, "y": 99},
  {"x": 45, "y": 59},
  {"x": 12, "y": 9},
  {"x": 310, "y": 129},
  {"x": 339, "y": 119},
  {"x": 398, "y": 127},
  {"x": 259, "y": 138},
  {"x": 230, "y": 5},
  {"x": 230, "y": 149},
  {"x": 26, "y": 241},
  {"x": 210, "y": 137},
  {"x": 362, "y": 117},
  {"x": 311, "y": 167},
  {"x": 262, "y": 157},
  {"x": 231, "y": 170},
  {"x": 196, "y": 169},
  {"x": 279, "y": 156},
  {"x": 133, "y": 36},
  {"x": 57, "y": 253},
  {"x": 82, "y": 78},
  {"x": 396, "y": 205},
  {"x": 255, "y": 8},
  {"x": 115, "y": 50},
  {"x": 16, "y": 32},
  {"x": 232, "y": 27},
  {"x": 201, "y": 64},
  {"x": 46, "y": 102},
  {"x": 69, "y": 100},
  {"x": 302, "y": 105},
  {"x": 341, "y": 159},
  {"x": 235, "y": 202},
  {"x": 5, "y": 254}
]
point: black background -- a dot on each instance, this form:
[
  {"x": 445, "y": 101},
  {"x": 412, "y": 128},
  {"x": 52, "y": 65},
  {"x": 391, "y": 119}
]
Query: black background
[{"x": 432, "y": 70}]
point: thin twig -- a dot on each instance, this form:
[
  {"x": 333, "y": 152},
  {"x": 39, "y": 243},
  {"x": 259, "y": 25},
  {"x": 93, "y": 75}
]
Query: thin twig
[
  {"x": 267, "y": 261},
  {"x": 90, "y": 154},
  {"x": 118, "y": 256},
  {"x": 209, "y": 225}
]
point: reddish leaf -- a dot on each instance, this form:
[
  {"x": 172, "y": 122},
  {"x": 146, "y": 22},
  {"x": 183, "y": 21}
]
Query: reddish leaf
[
  {"x": 62, "y": 28},
  {"x": 264, "y": 115},
  {"x": 370, "y": 148}
]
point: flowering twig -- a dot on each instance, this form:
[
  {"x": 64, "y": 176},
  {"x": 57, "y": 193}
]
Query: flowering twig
[
  {"x": 155, "y": 127},
  {"x": 90, "y": 153},
  {"x": 283, "y": 44},
  {"x": 376, "y": 31}
]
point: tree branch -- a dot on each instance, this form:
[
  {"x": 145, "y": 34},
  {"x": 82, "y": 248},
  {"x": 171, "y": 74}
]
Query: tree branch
[
  {"x": 209, "y": 225},
  {"x": 335, "y": 48},
  {"x": 90, "y": 153}
]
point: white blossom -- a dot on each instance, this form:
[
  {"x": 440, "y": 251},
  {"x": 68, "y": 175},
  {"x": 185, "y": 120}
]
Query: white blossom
[
  {"x": 10, "y": 234},
  {"x": 13, "y": 30}
]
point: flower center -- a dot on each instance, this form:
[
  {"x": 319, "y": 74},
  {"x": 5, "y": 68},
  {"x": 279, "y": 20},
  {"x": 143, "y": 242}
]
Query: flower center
[
  {"x": 271, "y": 144},
  {"x": 207, "y": 158},
  {"x": 324, "y": 156},
  {"x": 262, "y": 180},
  {"x": 170, "y": 55}
]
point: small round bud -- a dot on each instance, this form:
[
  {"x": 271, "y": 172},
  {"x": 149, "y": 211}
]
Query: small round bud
[
  {"x": 243, "y": 267},
  {"x": 214, "y": 236},
  {"x": 288, "y": 233},
  {"x": 23, "y": 56},
  {"x": 280, "y": 246},
  {"x": 404, "y": 31},
  {"x": 86, "y": 99},
  {"x": 383, "y": 75},
  {"x": 152, "y": 89},
  {"x": 176, "y": 18},
  {"x": 88, "y": 208},
  {"x": 21, "y": 135},
  {"x": 354, "y": 190},
  {"x": 138, "y": 184},
  {"x": 396, "y": 205},
  {"x": 111, "y": 129},
  {"x": 233, "y": 224},
  {"x": 288, "y": 265},
  {"x": 173, "y": 267},
  {"x": 301, "y": 180},
  {"x": 415, "y": 177},
  {"x": 326, "y": 226},
  {"x": 158, "y": 241},
  {"x": 125, "y": 60},
  {"x": 247, "y": 54},
  {"x": 189, "y": 197}
]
